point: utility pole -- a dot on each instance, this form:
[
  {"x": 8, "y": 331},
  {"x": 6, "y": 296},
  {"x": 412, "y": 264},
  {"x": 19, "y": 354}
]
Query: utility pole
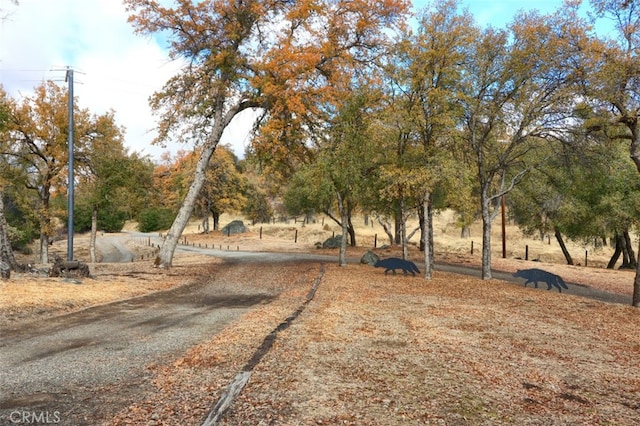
[{"x": 69, "y": 79}]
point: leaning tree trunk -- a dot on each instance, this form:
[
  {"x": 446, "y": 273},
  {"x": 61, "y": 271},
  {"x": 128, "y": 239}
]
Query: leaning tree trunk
[
  {"x": 165, "y": 255},
  {"x": 563, "y": 247},
  {"x": 386, "y": 226},
  {"x": 6, "y": 252},
  {"x": 221, "y": 121}
]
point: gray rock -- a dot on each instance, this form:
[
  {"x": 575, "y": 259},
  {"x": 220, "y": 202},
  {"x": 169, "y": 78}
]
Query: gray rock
[
  {"x": 234, "y": 227},
  {"x": 333, "y": 242},
  {"x": 369, "y": 258}
]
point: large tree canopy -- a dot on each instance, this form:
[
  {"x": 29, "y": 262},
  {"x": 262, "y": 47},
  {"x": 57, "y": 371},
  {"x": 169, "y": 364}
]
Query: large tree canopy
[{"x": 290, "y": 59}]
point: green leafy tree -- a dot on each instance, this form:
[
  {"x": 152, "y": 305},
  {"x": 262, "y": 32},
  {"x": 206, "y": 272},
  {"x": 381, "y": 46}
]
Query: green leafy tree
[
  {"x": 425, "y": 71},
  {"x": 610, "y": 75},
  {"x": 224, "y": 187},
  {"x": 515, "y": 97},
  {"x": 37, "y": 143}
]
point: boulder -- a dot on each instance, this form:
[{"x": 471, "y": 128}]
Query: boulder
[
  {"x": 234, "y": 227},
  {"x": 369, "y": 258},
  {"x": 333, "y": 242}
]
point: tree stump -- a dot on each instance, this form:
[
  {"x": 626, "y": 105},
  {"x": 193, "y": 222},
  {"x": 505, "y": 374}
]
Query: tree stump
[
  {"x": 68, "y": 269},
  {"x": 5, "y": 271}
]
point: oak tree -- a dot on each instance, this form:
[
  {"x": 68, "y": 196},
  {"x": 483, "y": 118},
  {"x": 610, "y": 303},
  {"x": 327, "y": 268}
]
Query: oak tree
[
  {"x": 611, "y": 75},
  {"x": 515, "y": 97},
  {"x": 38, "y": 136},
  {"x": 425, "y": 72},
  {"x": 289, "y": 59}
]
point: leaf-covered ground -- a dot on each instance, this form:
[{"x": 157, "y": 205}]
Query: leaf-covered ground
[
  {"x": 379, "y": 350},
  {"x": 372, "y": 349}
]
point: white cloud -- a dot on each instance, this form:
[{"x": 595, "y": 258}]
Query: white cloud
[{"x": 116, "y": 69}]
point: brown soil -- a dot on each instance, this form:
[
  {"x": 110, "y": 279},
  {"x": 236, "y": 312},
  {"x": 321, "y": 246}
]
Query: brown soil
[{"x": 373, "y": 349}]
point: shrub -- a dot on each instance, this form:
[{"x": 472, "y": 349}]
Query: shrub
[{"x": 155, "y": 219}]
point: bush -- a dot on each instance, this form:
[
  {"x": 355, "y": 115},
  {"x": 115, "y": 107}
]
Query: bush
[
  {"x": 109, "y": 220},
  {"x": 155, "y": 219},
  {"x": 21, "y": 238}
]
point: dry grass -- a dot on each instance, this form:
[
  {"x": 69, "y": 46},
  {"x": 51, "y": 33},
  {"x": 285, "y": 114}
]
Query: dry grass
[
  {"x": 27, "y": 296},
  {"x": 382, "y": 350}
]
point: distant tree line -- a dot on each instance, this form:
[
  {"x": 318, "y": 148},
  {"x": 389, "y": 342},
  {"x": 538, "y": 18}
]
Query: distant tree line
[{"x": 365, "y": 108}]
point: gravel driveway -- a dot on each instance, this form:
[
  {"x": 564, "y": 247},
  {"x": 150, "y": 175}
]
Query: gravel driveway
[{"x": 60, "y": 370}]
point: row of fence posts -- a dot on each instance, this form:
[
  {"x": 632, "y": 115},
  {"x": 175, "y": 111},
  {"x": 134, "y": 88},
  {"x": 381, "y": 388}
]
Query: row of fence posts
[
  {"x": 295, "y": 239},
  {"x": 156, "y": 249},
  {"x": 526, "y": 253}
]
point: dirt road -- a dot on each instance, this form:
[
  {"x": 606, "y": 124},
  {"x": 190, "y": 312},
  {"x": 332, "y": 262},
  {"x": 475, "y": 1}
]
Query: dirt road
[{"x": 77, "y": 368}]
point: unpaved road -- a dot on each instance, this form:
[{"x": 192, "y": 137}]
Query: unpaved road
[{"x": 59, "y": 369}]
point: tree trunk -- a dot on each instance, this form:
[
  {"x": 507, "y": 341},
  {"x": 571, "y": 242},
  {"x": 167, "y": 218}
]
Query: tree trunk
[
  {"x": 421, "y": 221},
  {"x": 563, "y": 247},
  {"x": 634, "y": 150},
  {"x": 6, "y": 252},
  {"x": 426, "y": 225},
  {"x": 220, "y": 121},
  {"x": 45, "y": 224},
  {"x": 94, "y": 230},
  {"x": 616, "y": 253},
  {"x": 403, "y": 232},
  {"x": 387, "y": 229},
  {"x": 342, "y": 260},
  {"x": 205, "y": 219},
  {"x": 625, "y": 254},
  {"x": 397, "y": 216},
  {"x": 216, "y": 219},
  {"x": 350, "y": 228},
  {"x": 486, "y": 241},
  {"x": 465, "y": 232},
  {"x": 487, "y": 219},
  {"x": 632, "y": 262},
  {"x": 165, "y": 255}
]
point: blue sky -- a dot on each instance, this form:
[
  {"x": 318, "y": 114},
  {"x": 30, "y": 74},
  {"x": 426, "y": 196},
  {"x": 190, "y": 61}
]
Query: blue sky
[
  {"x": 499, "y": 13},
  {"x": 119, "y": 70}
]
